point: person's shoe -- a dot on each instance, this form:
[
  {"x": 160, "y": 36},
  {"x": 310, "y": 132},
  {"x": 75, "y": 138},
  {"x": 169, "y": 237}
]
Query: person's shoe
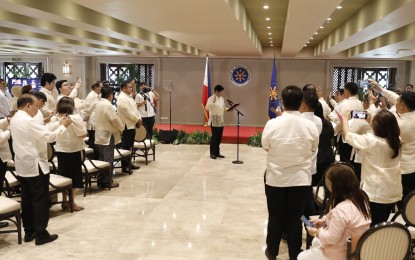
[
  {"x": 29, "y": 236},
  {"x": 135, "y": 167},
  {"x": 212, "y": 157},
  {"x": 44, "y": 238},
  {"x": 4, "y": 224},
  {"x": 125, "y": 170},
  {"x": 110, "y": 185},
  {"x": 269, "y": 255},
  {"x": 220, "y": 156}
]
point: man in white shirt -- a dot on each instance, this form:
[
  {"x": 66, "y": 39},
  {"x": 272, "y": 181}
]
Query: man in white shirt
[
  {"x": 405, "y": 115},
  {"x": 351, "y": 102},
  {"x": 88, "y": 110},
  {"x": 30, "y": 140},
  {"x": 216, "y": 107},
  {"x": 129, "y": 115},
  {"x": 4, "y": 100},
  {"x": 48, "y": 84},
  {"x": 108, "y": 128},
  {"x": 290, "y": 141},
  {"x": 145, "y": 103}
]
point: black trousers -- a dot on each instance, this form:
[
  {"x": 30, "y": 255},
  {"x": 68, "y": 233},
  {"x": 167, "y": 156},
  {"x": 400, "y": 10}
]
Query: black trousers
[
  {"x": 345, "y": 151},
  {"x": 408, "y": 185},
  {"x": 127, "y": 142},
  {"x": 91, "y": 143},
  {"x": 106, "y": 154},
  {"x": 380, "y": 212},
  {"x": 148, "y": 122},
  {"x": 215, "y": 140},
  {"x": 286, "y": 205},
  {"x": 35, "y": 202},
  {"x": 2, "y": 175}
]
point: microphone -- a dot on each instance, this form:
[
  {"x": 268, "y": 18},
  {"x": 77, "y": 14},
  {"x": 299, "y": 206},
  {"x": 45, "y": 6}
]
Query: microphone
[{"x": 229, "y": 101}]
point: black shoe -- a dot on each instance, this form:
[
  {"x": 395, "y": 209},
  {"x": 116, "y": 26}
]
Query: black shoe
[
  {"x": 125, "y": 170},
  {"x": 29, "y": 236},
  {"x": 212, "y": 157},
  {"x": 269, "y": 256},
  {"x": 220, "y": 156},
  {"x": 4, "y": 224},
  {"x": 135, "y": 167},
  {"x": 109, "y": 185},
  {"x": 44, "y": 238}
]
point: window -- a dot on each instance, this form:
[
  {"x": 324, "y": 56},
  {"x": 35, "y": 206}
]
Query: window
[
  {"x": 116, "y": 73},
  {"x": 22, "y": 70}
]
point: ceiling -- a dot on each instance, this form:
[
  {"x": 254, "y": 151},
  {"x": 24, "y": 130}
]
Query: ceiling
[{"x": 194, "y": 28}]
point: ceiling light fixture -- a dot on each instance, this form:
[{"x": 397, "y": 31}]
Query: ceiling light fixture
[
  {"x": 268, "y": 27},
  {"x": 267, "y": 19},
  {"x": 270, "y": 38},
  {"x": 339, "y": 7},
  {"x": 316, "y": 33},
  {"x": 312, "y": 38},
  {"x": 266, "y": 6},
  {"x": 269, "y": 33},
  {"x": 329, "y": 19},
  {"x": 321, "y": 27},
  {"x": 66, "y": 69}
]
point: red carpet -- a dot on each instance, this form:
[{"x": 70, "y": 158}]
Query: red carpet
[{"x": 229, "y": 132}]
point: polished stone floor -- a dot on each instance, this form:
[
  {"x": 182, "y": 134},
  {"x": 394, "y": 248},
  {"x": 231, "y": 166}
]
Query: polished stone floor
[{"x": 184, "y": 205}]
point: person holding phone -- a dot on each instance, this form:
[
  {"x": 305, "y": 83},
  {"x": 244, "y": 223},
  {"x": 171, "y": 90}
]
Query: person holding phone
[
  {"x": 381, "y": 155},
  {"x": 349, "y": 215}
]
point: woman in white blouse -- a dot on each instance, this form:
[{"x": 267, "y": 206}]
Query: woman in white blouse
[
  {"x": 381, "y": 154},
  {"x": 69, "y": 146}
]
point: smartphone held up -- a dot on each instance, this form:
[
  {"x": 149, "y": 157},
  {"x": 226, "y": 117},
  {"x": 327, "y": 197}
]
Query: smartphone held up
[{"x": 358, "y": 114}]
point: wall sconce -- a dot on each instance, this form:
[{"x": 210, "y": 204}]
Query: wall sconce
[{"x": 66, "y": 69}]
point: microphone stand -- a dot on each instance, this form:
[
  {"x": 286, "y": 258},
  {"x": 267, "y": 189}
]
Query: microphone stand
[{"x": 238, "y": 125}]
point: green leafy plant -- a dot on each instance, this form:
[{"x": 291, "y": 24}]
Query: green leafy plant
[
  {"x": 255, "y": 140},
  {"x": 181, "y": 137},
  {"x": 198, "y": 137},
  {"x": 156, "y": 136}
]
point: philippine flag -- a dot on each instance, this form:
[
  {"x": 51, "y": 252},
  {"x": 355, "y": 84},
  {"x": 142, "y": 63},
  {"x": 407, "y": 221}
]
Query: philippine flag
[{"x": 206, "y": 90}]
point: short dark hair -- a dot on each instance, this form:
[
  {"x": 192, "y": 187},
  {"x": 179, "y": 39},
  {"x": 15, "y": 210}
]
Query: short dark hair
[
  {"x": 142, "y": 83},
  {"x": 95, "y": 84},
  {"x": 125, "y": 83},
  {"x": 352, "y": 88},
  {"x": 106, "y": 92},
  {"x": 59, "y": 85},
  {"x": 26, "y": 89},
  {"x": 47, "y": 77},
  {"x": 65, "y": 105},
  {"x": 292, "y": 97},
  {"x": 310, "y": 98},
  {"x": 24, "y": 100},
  {"x": 40, "y": 95},
  {"x": 408, "y": 98},
  {"x": 310, "y": 87},
  {"x": 218, "y": 88},
  {"x": 410, "y": 85},
  {"x": 341, "y": 91}
]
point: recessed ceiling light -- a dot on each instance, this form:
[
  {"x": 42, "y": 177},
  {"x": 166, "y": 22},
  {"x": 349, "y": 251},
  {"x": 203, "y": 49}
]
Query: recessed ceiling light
[
  {"x": 339, "y": 7},
  {"x": 305, "y": 45},
  {"x": 272, "y": 45},
  {"x": 268, "y": 27},
  {"x": 311, "y": 38},
  {"x": 308, "y": 42},
  {"x": 270, "y": 38},
  {"x": 266, "y": 6},
  {"x": 316, "y": 33},
  {"x": 329, "y": 19},
  {"x": 267, "y": 19},
  {"x": 321, "y": 27},
  {"x": 269, "y": 33}
]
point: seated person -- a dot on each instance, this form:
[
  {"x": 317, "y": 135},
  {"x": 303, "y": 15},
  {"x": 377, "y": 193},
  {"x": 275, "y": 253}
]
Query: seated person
[{"x": 349, "y": 215}]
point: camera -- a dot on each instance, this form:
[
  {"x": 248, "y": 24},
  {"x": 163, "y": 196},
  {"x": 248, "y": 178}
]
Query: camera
[
  {"x": 145, "y": 90},
  {"x": 358, "y": 114}
]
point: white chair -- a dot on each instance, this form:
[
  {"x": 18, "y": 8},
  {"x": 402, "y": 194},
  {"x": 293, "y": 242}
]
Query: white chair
[
  {"x": 9, "y": 209},
  {"x": 91, "y": 169},
  {"x": 143, "y": 147},
  {"x": 122, "y": 155},
  {"x": 11, "y": 185},
  {"x": 385, "y": 241}
]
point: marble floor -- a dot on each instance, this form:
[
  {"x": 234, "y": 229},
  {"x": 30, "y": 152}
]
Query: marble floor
[{"x": 184, "y": 205}]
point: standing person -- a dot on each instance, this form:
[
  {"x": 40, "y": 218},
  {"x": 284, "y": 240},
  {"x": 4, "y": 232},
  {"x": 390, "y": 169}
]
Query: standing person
[
  {"x": 349, "y": 215},
  {"x": 4, "y": 99},
  {"x": 290, "y": 141},
  {"x": 381, "y": 152},
  {"x": 145, "y": 103},
  {"x": 216, "y": 107},
  {"x": 30, "y": 140},
  {"x": 108, "y": 128},
  {"x": 129, "y": 115},
  {"x": 69, "y": 146},
  {"x": 405, "y": 114},
  {"x": 5, "y": 155},
  {"x": 88, "y": 110},
  {"x": 48, "y": 84}
]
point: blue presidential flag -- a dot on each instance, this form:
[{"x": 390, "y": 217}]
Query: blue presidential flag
[{"x": 273, "y": 102}]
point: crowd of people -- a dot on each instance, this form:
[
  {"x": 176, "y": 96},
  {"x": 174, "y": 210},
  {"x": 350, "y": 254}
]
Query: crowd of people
[
  {"x": 55, "y": 115},
  {"x": 375, "y": 167}
]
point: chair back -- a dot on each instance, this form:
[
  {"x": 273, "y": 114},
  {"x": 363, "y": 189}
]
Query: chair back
[
  {"x": 140, "y": 134},
  {"x": 385, "y": 241},
  {"x": 408, "y": 209},
  {"x": 51, "y": 152}
]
